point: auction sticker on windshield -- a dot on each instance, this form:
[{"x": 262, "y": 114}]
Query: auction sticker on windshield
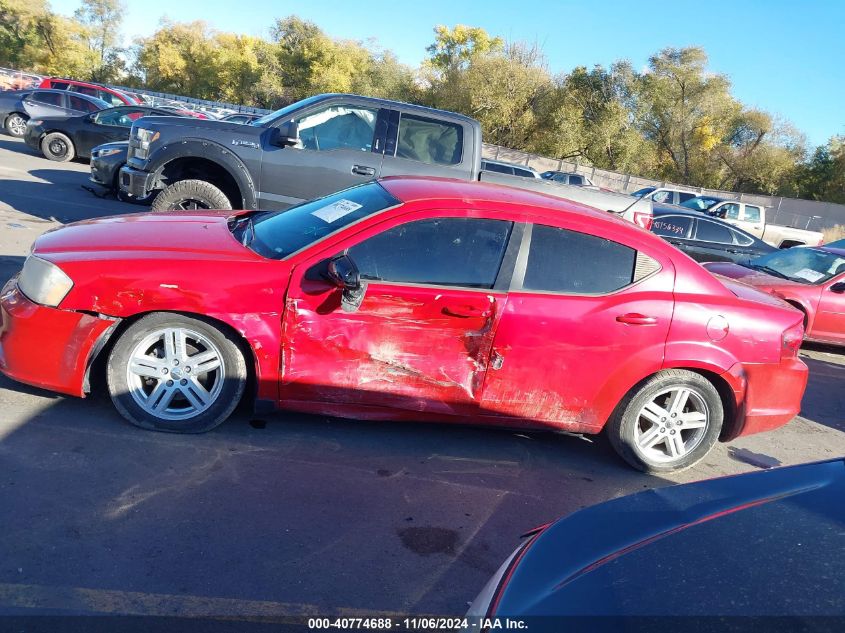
[
  {"x": 336, "y": 210},
  {"x": 808, "y": 274}
]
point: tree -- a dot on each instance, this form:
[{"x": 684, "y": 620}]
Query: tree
[
  {"x": 454, "y": 49},
  {"x": 101, "y": 20}
]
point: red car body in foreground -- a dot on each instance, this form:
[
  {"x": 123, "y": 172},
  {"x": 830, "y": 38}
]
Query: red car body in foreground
[
  {"x": 408, "y": 299},
  {"x": 811, "y": 279}
]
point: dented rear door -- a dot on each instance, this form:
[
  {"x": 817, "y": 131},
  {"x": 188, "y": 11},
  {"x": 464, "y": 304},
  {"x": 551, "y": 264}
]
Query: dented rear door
[{"x": 420, "y": 339}]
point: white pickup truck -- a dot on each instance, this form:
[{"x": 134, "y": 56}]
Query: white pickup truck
[{"x": 752, "y": 218}]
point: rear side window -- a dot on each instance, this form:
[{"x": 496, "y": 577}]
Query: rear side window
[
  {"x": 576, "y": 180},
  {"x": 708, "y": 231},
  {"x": 463, "y": 252},
  {"x": 59, "y": 85},
  {"x": 741, "y": 239},
  {"x": 429, "y": 140},
  {"x": 576, "y": 263},
  {"x": 683, "y": 196},
  {"x": 499, "y": 169},
  {"x": 76, "y": 103},
  {"x": 671, "y": 226},
  {"x": 50, "y": 98},
  {"x": 523, "y": 172},
  {"x": 752, "y": 214}
]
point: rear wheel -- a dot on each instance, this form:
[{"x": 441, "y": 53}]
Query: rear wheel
[
  {"x": 670, "y": 422},
  {"x": 16, "y": 125},
  {"x": 58, "y": 147},
  {"x": 190, "y": 194},
  {"x": 173, "y": 373}
]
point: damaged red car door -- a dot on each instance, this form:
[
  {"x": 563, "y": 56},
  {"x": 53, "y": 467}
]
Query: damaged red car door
[{"x": 421, "y": 335}]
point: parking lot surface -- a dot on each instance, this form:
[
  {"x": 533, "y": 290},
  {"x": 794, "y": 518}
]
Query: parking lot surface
[{"x": 290, "y": 514}]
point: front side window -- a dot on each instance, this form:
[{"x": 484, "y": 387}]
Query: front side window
[
  {"x": 338, "y": 127},
  {"x": 122, "y": 117},
  {"x": 729, "y": 211},
  {"x": 464, "y": 252},
  {"x": 662, "y": 196},
  {"x": 672, "y": 226},
  {"x": 429, "y": 140},
  {"x": 523, "y": 172},
  {"x": 59, "y": 85},
  {"x": 85, "y": 90},
  {"x": 577, "y": 263},
  {"x": 752, "y": 214}
]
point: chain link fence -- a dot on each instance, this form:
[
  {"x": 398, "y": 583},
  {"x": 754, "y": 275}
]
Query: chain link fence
[{"x": 801, "y": 214}]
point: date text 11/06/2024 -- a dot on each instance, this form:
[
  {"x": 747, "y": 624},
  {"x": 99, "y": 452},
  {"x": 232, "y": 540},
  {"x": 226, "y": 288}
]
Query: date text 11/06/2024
[{"x": 417, "y": 624}]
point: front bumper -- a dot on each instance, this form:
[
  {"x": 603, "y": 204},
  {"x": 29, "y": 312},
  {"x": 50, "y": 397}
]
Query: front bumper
[
  {"x": 138, "y": 184},
  {"x": 103, "y": 173},
  {"x": 768, "y": 395},
  {"x": 47, "y": 347}
]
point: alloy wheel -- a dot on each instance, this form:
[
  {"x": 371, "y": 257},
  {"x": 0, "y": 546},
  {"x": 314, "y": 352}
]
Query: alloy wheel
[
  {"x": 17, "y": 125},
  {"x": 671, "y": 424}
]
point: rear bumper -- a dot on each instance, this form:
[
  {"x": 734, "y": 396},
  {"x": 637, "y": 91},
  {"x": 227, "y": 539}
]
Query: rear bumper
[
  {"x": 33, "y": 137},
  {"x": 47, "y": 347},
  {"x": 137, "y": 184},
  {"x": 767, "y": 395}
]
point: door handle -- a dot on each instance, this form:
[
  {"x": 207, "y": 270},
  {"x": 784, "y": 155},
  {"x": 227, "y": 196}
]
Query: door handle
[
  {"x": 465, "y": 311},
  {"x": 363, "y": 170},
  {"x": 634, "y": 318}
]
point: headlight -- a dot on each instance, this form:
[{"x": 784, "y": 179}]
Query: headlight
[
  {"x": 106, "y": 152},
  {"x": 145, "y": 139},
  {"x": 43, "y": 282}
]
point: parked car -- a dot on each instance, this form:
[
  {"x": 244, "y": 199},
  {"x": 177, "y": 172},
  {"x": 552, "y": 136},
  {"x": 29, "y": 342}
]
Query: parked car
[
  {"x": 812, "y": 279},
  {"x": 240, "y": 117},
  {"x": 508, "y": 168},
  {"x": 63, "y": 138},
  {"x": 182, "y": 111},
  {"x": 568, "y": 178},
  {"x": 752, "y": 219},
  {"x": 112, "y": 96},
  {"x": 408, "y": 299},
  {"x": 665, "y": 195},
  {"x": 707, "y": 239},
  {"x": 766, "y": 543},
  {"x": 106, "y": 161},
  {"x": 17, "y": 107},
  {"x": 315, "y": 147},
  {"x": 837, "y": 244}
]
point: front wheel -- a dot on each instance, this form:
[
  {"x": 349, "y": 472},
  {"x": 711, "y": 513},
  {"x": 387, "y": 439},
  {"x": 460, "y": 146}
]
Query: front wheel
[
  {"x": 190, "y": 194},
  {"x": 173, "y": 373},
  {"x": 16, "y": 125},
  {"x": 670, "y": 422}
]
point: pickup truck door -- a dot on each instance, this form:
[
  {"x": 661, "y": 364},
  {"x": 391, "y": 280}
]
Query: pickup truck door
[
  {"x": 341, "y": 144},
  {"x": 829, "y": 323},
  {"x": 425, "y": 146},
  {"x": 753, "y": 219}
]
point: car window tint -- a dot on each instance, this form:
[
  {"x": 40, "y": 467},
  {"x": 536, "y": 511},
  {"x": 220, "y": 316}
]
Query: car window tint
[
  {"x": 123, "y": 117},
  {"x": 109, "y": 98},
  {"x": 49, "y": 98},
  {"x": 338, "y": 127},
  {"x": 729, "y": 211},
  {"x": 752, "y": 214},
  {"x": 81, "y": 105},
  {"x": 523, "y": 172},
  {"x": 662, "y": 196},
  {"x": 561, "y": 178},
  {"x": 741, "y": 239},
  {"x": 557, "y": 258},
  {"x": 501, "y": 169},
  {"x": 59, "y": 85},
  {"x": 683, "y": 197},
  {"x": 671, "y": 225},
  {"x": 576, "y": 180},
  {"x": 442, "y": 251},
  {"x": 708, "y": 231},
  {"x": 429, "y": 141}
]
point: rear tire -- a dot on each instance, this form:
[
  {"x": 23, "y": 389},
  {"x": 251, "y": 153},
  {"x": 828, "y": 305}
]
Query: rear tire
[
  {"x": 16, "y": 124},
  {"x": 174, "y": 373},
  {"x": 58, "y": 147},
  {"x": 667, "y": 423},
  {"x": 190, "y": 194}
]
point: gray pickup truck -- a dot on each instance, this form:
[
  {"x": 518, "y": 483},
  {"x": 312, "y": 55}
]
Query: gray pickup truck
[{"x": 315, "y": 147}]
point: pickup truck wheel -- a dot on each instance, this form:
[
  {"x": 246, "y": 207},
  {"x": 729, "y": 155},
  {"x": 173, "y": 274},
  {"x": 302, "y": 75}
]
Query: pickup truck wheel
[
  {"x": 667, "y": 423},
  {"x": 16, "y": 125},
  {"x": 58, "y": 147},
  {"x": 174, "y": 373},
  {"x": 190, "y": 194}
]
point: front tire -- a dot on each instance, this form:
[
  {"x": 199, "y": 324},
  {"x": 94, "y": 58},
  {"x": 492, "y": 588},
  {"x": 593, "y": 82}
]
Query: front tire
[
  {"x": 58, "y": 147},
  {"x": 668, "y": 423},
  {"x": 190, "y": 194},
  {"x": 169, "y": 372},
  {"x": 16, "y": 125}
]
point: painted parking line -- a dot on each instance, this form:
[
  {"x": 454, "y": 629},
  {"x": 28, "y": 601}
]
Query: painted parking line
[{"x": 84, "y": 600}]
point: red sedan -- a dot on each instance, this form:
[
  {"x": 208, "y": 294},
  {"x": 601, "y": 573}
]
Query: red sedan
[
  {"x": 811, "y": 279},
  {"x": 408, "y": 299}
]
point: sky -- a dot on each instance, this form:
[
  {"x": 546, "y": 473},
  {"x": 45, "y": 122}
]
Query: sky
[{"x": 782, "y": 57}]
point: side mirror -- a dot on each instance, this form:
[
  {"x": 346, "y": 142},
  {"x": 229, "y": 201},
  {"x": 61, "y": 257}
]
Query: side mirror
[
  {"x": 838, "y": 287},
  {"x": 343, "y": 273},
  {"x": 286, "y": 134}
]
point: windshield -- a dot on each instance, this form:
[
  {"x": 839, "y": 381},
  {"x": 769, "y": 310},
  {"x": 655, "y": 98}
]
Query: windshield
[
  {"x": 278, "y": 114},
  {"x": 700, "y": 203},
  {"x": 807, "y": 265},
  {"x": 281, "y": 233}
]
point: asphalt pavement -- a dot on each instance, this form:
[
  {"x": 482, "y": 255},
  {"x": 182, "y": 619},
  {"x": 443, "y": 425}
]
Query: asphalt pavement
[{"x": 290, "y": 514}]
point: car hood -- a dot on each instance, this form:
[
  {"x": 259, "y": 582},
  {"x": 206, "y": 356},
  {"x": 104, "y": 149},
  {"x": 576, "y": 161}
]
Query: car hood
[
  {"x": 205, "y": 124},
  {"x": 759, "y": 279},
  {"x": 713, "y": 547},
  {"x": 176, "y": 235}
]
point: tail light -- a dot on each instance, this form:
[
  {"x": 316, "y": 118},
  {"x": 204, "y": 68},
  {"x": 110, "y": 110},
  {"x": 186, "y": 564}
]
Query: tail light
[
  {"x": 791, "y": 341},
  {"x": 643, "y": 219},
  {"x": 821, "y": 241}
]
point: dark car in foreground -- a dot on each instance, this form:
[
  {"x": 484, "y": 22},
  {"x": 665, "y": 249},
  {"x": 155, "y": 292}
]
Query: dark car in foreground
[
  {"x": 64, "y": 138},
  {"x": 408, "y": 299},
  {"x": 707, "y": 239},
  {"x": 19, "y": 106},
  {"x": 762, "y": 544}
]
